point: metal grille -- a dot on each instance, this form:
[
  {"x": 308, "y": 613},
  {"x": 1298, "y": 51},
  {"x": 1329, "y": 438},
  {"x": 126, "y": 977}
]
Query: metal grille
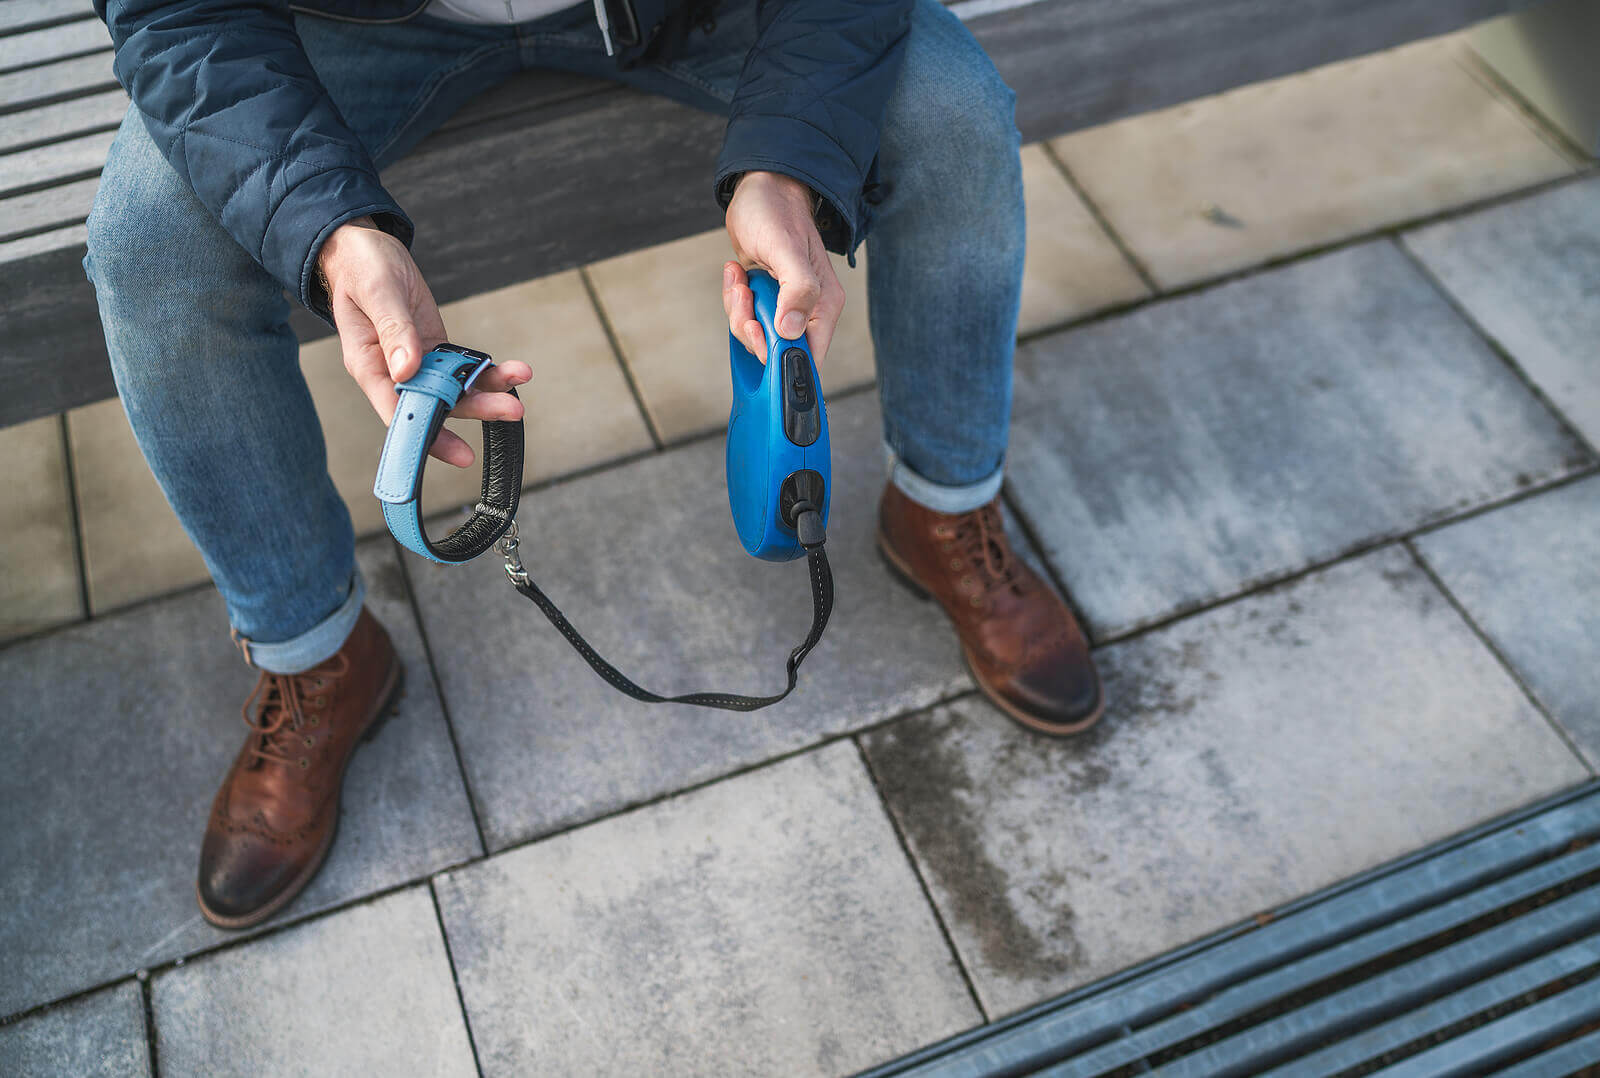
[{"x": 1479, "y": 955}]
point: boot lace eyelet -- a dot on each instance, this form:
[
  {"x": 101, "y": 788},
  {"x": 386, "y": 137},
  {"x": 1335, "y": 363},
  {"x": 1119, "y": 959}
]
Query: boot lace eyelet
[
  {"x": 977, "y": 600},
  {"x": 304, "y": 763},
  {"x": 313, "y": 720},
  {"x": 308, "y": 741}
]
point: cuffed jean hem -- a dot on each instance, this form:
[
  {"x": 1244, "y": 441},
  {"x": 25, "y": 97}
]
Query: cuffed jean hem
[
  {"x": 316, "y": 644},
  {"x": 937, "y": 496}
]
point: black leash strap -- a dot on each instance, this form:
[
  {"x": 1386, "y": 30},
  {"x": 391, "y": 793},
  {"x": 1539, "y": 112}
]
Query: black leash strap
[{"x": 821, "y": 607}]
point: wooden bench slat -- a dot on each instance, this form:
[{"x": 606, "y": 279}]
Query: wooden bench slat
[
  {"x": 38, "y": 210},
  {"x": 33, "y": 86},
  {"x": 69, "y": 236},
  {"x": 50, "y": 123},
  {"x": 41, "y": 46},
  {"x": 18, "y": 14},
  {"x": 57, "y": 161}
]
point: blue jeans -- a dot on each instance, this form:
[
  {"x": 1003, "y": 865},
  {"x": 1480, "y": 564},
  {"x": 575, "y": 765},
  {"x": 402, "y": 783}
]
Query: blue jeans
[{"x": 208, "y": 367}]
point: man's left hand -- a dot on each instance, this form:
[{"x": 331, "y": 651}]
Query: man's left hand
[{"x": 769, "y": 222}]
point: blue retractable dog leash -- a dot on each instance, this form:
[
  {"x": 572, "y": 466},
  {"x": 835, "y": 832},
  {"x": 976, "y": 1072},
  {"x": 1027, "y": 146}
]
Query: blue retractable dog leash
[{"x": 779, "y": 480}]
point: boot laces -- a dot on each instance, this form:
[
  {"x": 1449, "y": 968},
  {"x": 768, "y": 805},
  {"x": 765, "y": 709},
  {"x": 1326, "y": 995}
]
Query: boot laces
[
  {"x": 981, "y": 536},
  {"x": 276, "y": 709}
]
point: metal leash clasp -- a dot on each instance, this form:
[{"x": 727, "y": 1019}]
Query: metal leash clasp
[{"x": 507, "y": 546}]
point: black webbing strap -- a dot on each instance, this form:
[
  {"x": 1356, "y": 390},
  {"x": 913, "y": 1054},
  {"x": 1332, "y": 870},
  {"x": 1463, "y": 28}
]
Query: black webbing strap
[{"x": 821, "y": 607}]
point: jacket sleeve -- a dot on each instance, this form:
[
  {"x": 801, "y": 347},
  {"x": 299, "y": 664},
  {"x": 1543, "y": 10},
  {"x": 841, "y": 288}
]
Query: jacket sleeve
[
  {"x": 228, "y": 94},
  {"x": 810, "y": 103}
]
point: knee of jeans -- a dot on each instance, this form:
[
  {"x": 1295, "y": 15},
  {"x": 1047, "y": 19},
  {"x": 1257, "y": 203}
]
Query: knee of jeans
[
  {"x": 952, "y": 118},
  {"x": 148, "y": 234}
]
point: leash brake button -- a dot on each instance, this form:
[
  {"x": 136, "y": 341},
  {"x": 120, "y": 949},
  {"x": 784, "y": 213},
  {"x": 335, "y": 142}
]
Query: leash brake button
[{"x": 801, "y": 423}]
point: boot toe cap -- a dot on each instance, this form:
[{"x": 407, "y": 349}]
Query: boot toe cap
[
  {"x": 240, "y": 877},
  {"x": 1057, "y": 697}
]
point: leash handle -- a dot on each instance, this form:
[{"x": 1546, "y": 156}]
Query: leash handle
[{"x": 821, "y": 608}]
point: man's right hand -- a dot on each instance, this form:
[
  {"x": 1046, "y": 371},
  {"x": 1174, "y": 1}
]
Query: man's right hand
[{"x": 387, "y": 321}]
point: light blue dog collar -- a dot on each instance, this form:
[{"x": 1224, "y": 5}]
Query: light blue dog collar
[{"x": 447, "y": 372}]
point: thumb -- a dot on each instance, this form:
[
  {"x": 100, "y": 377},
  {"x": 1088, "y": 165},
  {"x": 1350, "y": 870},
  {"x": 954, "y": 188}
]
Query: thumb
[
  {"x": 799, "y": 289},
  {"x": 390, "y": 314}
]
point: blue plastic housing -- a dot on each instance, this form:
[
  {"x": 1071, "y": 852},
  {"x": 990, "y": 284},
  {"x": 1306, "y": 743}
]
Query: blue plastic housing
[{"x": 761, "y": 455}]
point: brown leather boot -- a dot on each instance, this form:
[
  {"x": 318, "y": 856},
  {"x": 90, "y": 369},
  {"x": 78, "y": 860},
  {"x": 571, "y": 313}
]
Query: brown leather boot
[
  {"x": 274, "y": 818},
  {"x": 1021, "y": 642}
]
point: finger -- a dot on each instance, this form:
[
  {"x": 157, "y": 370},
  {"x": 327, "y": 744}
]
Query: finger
[
  {"x": 488, "y": 406},
  {"x": 742, "y": 317},
  {"x": 503, "y": 376},
  {"x": 449, "y": 448},
  {"x": 799, "y": 289},
  {"x": 386, "y": 306},
  {"x": 825, "y": 319}
]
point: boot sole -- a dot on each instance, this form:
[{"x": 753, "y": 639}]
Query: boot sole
[
  {"x": 388, "y": 703},
  {"x": 901, "y": 573}
]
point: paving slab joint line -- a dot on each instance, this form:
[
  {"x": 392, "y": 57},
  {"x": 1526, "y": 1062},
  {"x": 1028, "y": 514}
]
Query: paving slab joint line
[
  {"x": 620, "y": 356},
  {"x": 24, "y": 66},
  {"x": 1505, "y": 663},
  {"x": 75, "y": 509},
  {"x": 438, "y": 689},
  {"x": 149, "y": 1017},
  {"x": 1464, "y": 313},
  {"x": 1102, "y": 220},
  {"x": 1490, "y": 79},
  {"x": 922, "y": 883},
  {"x": 455, "y": 978}
]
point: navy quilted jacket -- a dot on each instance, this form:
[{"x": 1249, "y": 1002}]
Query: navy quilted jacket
[{"x": 230, "y": 98}]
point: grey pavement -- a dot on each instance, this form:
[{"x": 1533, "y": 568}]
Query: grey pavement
[
  {"x": 1528, "y": 272},
  {"x": 769, "y": 924},
  {"x": 1192, "y": 449},
  {"x": 645, "y": 561},
  {"x": 1251, "y": 754},
  {"x": 1529, "y": 575},
  {"x": 1388, "y": 532},
  {"x": 363, "y": 992},
  {"x": 116, "y": 763}
]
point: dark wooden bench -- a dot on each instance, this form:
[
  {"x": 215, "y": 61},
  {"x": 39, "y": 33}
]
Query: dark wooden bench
[{"x": 567, "y": 170}]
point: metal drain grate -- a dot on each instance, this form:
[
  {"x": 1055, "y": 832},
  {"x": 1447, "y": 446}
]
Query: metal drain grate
[{"x": 1479, "y": 955}]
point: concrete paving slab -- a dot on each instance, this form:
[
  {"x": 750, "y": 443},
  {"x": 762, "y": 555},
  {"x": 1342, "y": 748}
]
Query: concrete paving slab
[
  {"x": 1250, "y": 754},
  {"x": 1526, "y": 272},
  {"x": 98, "y": 1036},
  {"x": 367, "y": 991},
  {"x": 1073, "y": 267},
  {"x": 645, "y": 562},
  {"x": 39, "y": 561},
  {"x": 664, "y": 304},
  {"x": 119, "y": 499},
  {"x": 1184, "y": 451},
  {"x": 1529, "y": 575},
  {"x": 1257, "y": 173},
  {"x": 117, "y": 734},
  {"x": 769, "y": 924}
]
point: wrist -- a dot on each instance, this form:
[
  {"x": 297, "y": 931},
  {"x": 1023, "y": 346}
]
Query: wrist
[{"x": 335, "y": 246}]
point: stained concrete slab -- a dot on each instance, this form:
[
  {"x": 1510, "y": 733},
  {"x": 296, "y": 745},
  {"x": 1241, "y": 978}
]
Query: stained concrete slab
[
  {"x": 1527, "y": 272},
  {"x": 366, "y": 991},
  {"x": 1249, "y": 755},
  {"x": 769, "y": 924},
  {"x": 1238, "y": 179},
  {"x": 645, "y": 562},
  {"x": 1185, "y": 451},
  {"x": 1529, "y": 575},
  {"x": 116, "y": 736},
  {"x": 97, "y": 1036}
]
